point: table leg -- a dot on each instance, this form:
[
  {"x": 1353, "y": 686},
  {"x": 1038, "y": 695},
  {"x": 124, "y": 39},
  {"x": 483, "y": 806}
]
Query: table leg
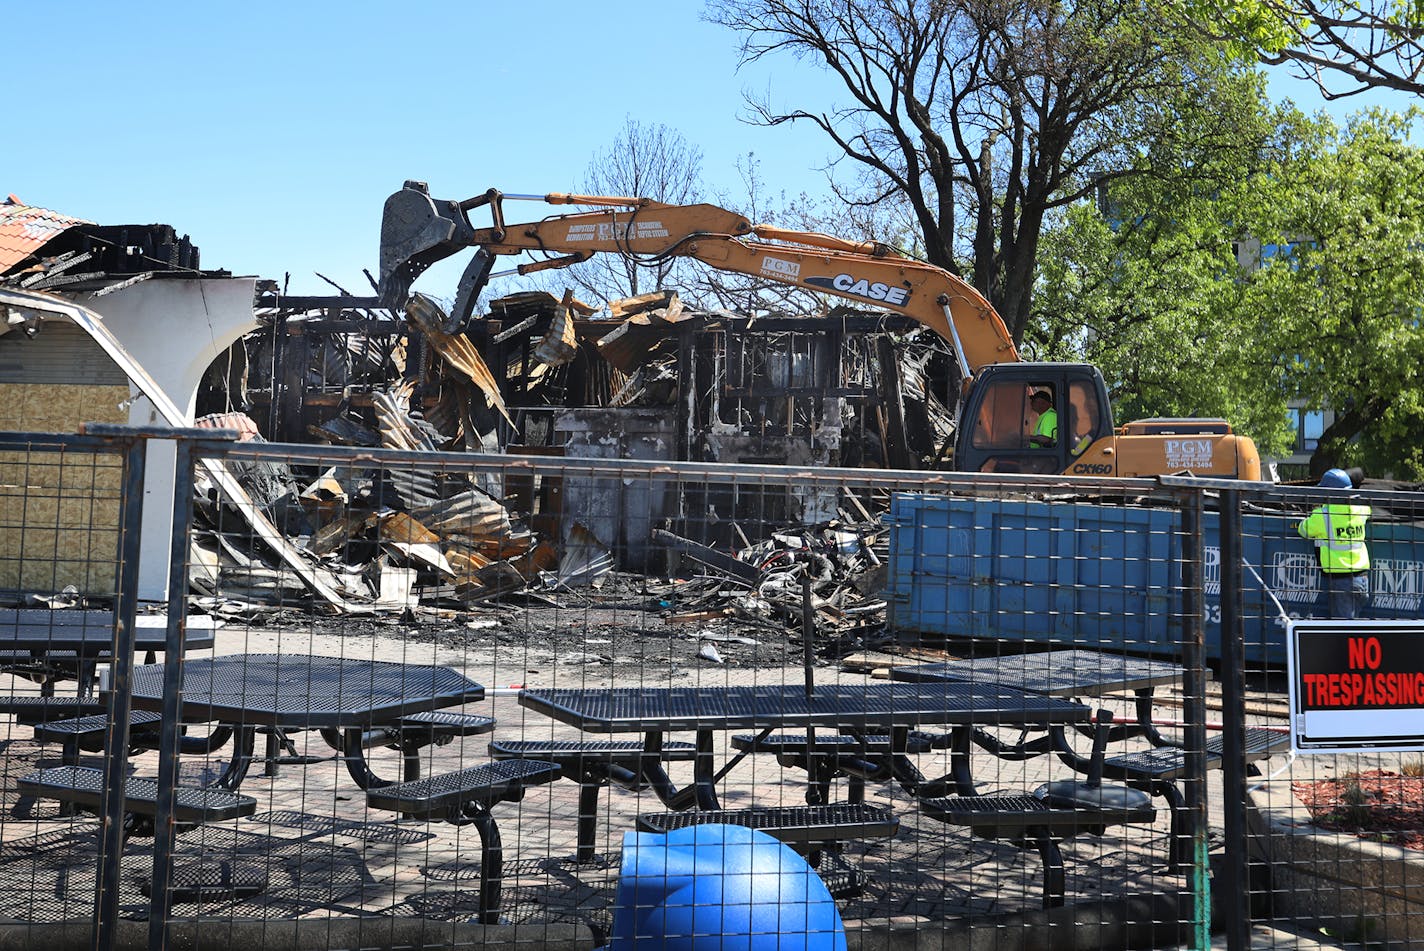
[
  {"x": 960, "y": 777},
  {"x": 1143, "y": 702},
  {"x": 651, "y": 771},
  {"x": 491, "y": 856},
  {"x": 205, "y": 745},
  {"x": 353, "y": 753},
  {"x": 491, "y": 868},
  {"x": 587, "y": 818},
  {"x": 244, "y": 741},
  {"x": 86, "y": 673},
  {"x": 1023, "y": 749},
  {"x": 959, "y": 766},
  {"x": 272, "y": 749},
  {"x": 899, "y": 767},
  {"x": 704, "y": 772},
  {"x": 1071, "y": 757},
  {"x": 702, "y": 794}
]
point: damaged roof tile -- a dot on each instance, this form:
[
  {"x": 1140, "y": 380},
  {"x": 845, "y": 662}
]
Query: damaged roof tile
[{"x": 24, "y": 229}]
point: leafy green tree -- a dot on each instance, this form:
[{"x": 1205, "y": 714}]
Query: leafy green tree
[
  {"x": 1344, "y": 47},
  {"x": 1347, "y": 304},
  {"x": 1300, "y": 277}
]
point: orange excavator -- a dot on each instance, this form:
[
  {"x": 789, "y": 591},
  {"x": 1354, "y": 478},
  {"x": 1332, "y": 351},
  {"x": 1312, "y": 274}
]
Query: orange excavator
[{"x": 1001, "y": 426}]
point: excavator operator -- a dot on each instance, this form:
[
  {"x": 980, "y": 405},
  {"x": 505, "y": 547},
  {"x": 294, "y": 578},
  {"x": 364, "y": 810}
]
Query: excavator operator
[{"x": 1045, "y": 430}]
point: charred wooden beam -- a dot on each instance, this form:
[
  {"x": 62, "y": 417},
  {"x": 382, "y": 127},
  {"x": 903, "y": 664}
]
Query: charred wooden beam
[
  {"x": 270, "y": 301},
  {"x": 708, "y": 556}
]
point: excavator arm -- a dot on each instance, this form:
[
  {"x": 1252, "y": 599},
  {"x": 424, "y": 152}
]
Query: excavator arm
[{"x": 417, "y": 231}]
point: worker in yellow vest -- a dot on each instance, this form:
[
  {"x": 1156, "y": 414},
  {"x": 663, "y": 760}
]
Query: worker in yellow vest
[
  {"x": 1045, "y": 429},
  {"x": 1338, "y": 530}
]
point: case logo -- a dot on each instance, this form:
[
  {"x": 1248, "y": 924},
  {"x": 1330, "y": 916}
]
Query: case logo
[{"x": 860, "y": 287}]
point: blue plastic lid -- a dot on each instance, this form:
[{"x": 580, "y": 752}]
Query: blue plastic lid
[{"x": 720, "y": 888}]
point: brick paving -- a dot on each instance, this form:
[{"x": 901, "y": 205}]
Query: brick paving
[{"x": 322, "y": 852}]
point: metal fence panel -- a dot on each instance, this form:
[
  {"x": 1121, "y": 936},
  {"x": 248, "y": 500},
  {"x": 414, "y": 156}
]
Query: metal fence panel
[{"x": 977, "y": 707}]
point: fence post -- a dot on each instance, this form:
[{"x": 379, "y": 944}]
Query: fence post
[
  {"x": 116, "y": 749},
  {"x": 1193, "y": 642},
  {"x": 164, "y": 833},
  {"x": 1235, "y": 905}
]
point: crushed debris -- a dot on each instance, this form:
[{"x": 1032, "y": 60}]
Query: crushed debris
[
  {"x": 784, "y": 390},
  {"x": 542, "y": 375}
]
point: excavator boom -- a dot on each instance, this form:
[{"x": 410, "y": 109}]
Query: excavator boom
[{"x": 417, "y": 231}]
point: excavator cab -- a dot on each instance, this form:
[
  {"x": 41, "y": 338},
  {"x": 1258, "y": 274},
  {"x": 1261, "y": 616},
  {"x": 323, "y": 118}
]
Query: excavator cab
[{"x": 1033, "y": 418}]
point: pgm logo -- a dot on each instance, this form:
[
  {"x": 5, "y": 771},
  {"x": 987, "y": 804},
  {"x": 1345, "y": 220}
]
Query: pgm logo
[
  {"x": 1397, "y": 585},
  {"x": 617, "y": 231},
  {"x": 1188, "y": 453},
  {"x": 1294, "y": 577},
  {"x": 860, "y": 287},
  {"x": 776, "y": 267}
]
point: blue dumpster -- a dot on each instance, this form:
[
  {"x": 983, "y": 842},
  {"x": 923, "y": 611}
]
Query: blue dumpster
[{"x": 1108, "y": 576}]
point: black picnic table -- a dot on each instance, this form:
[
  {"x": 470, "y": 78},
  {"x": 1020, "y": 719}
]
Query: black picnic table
[
  {"x": 340, "y": 697},
  {"x": 1057, "y": 673},
  {"x": 857, "y": 709},
  {"x": 67, "y": 644}
]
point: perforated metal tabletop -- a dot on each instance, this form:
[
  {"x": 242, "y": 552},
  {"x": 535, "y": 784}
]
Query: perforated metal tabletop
[
  {"x": 305, "y": 691},
  {"x": 855, "y": 707},
  {"x": 1062, "y": 673},
  {"x": 89, "y": 632}
]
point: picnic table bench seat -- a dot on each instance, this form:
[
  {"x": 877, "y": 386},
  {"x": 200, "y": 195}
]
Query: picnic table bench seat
[
  {"x": 439, "y": 727},
  {"x": 466, "y": 797},
  {"x": 594, "y": 764},
  {"x": 83, "y": 788},
  {"x": 796, "y": 744},
  {"x": 578, "y": 755},
  {"x": 1057, "y": 810},
  {"x": 409, "y": 734},
  {"x": 816, "y": 831},
  {"x": 414, "y": 731},
  {"x": 89, "y": 733},
  {"x": 1170, "y": 762},
  {"x": 30, "y": 709},
  {"x": 837, "y": 754},
  {"x": 1038, "y": 822},
  {"x": 826, "y": 825},
  {"x": 38, "y": 664},
  {"x": 1156, "y": 771}
]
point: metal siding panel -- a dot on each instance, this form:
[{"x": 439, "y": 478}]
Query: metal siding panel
[{"x": 59, "y": 354}]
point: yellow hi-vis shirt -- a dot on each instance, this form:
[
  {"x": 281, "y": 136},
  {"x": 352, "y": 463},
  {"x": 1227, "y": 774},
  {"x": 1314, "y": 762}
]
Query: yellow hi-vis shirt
[
  {"x": 1047, "y": 425},
  {"x": 1338, "y": 531}
]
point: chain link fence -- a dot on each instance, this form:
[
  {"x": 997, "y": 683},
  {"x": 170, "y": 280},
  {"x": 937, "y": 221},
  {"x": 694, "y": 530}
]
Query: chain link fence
[{"x": 403, "y": 699}]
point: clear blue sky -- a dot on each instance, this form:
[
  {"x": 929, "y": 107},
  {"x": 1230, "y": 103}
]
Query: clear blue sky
[{"x": 273, "y": 132}]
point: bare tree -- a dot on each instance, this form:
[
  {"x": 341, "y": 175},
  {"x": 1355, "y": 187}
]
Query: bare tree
[
  {"x": 749, "y": 293},
  {"x": 1009, "y": 110},
  {"x": 642, "y": 162}
]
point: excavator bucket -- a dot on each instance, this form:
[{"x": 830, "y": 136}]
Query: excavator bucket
[{"x": 416, "y": 232}]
